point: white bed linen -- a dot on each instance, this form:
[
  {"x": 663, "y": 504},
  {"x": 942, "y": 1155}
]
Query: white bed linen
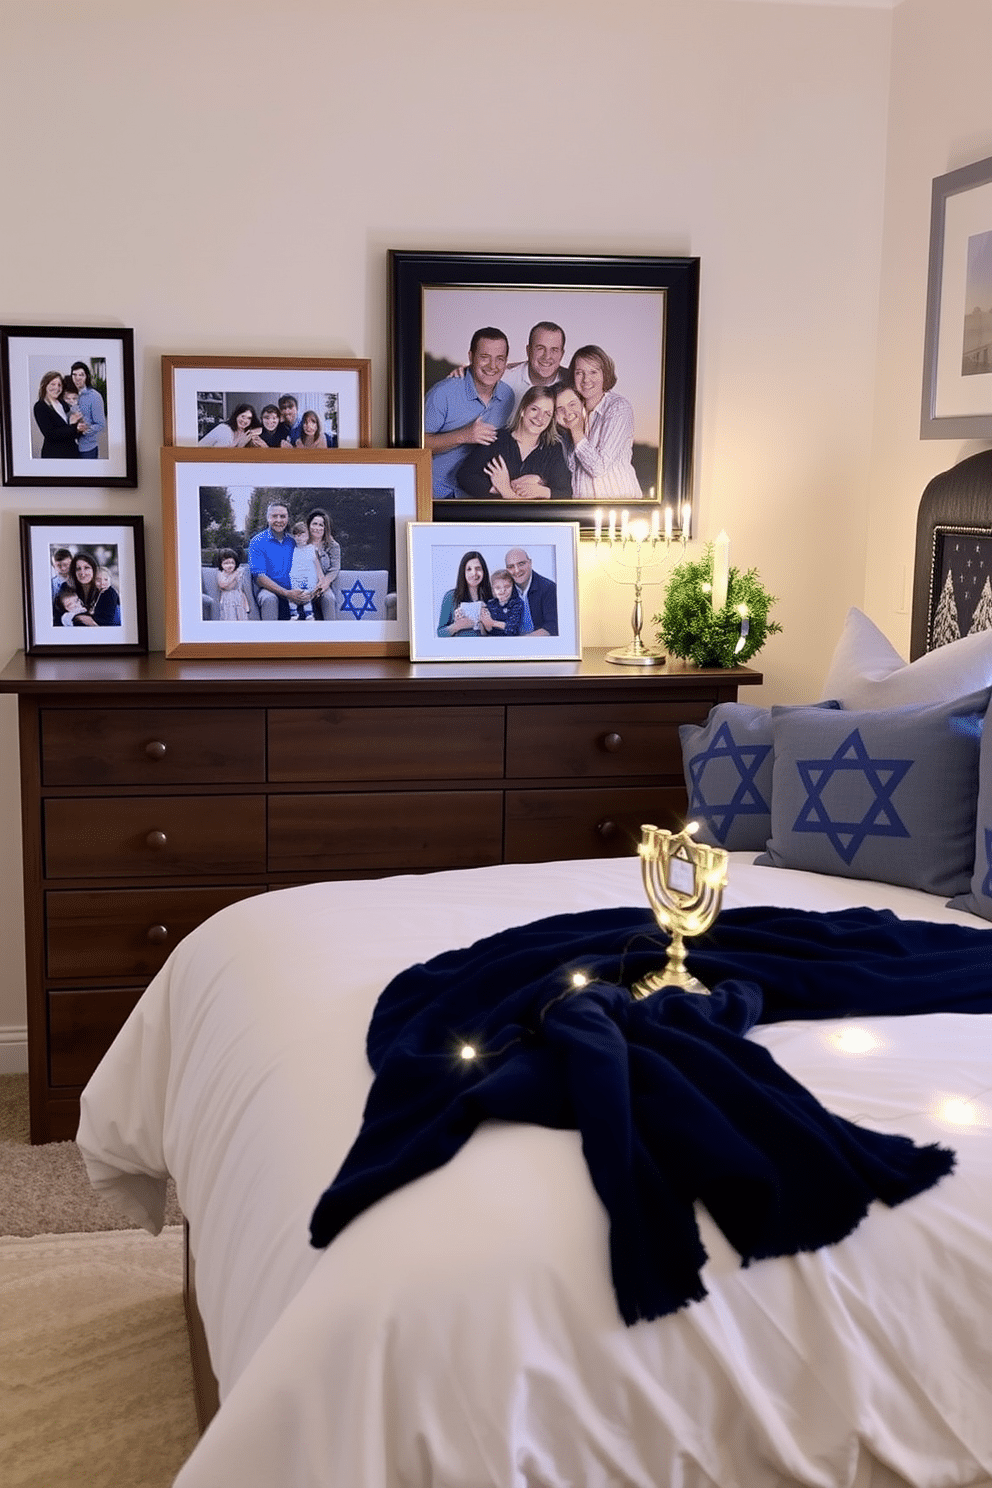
[{"x": 463, "y": 1332}]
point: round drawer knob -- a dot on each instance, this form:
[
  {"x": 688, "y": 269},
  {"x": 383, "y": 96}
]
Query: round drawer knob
[
  {"x": 157, "y": 934},
  {"x": 606, "y": 829},
  {"x": 156, "y": 839},
  {"x": 612, "y": 742},
  {"x": 156, "y": 749}
]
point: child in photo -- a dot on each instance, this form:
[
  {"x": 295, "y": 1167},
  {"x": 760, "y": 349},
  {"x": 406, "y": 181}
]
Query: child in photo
[
  {"x": 70, "y": 397},
  {"x": 69, "y": 605},
  {"x": 304, "y": 572},
  {"x": 233, "y": 599},
  {"x": 503, "y": 614}
]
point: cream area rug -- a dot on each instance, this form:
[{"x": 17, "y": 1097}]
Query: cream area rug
[{"x": 96, "y": 1388}]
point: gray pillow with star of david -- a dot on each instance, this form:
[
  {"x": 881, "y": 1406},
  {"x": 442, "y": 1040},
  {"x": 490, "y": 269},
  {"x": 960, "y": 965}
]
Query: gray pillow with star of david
[
  {"x": 978, "y": 898},
  {"x": 888, "y": 795},
  {"x": 728, "y": 775}
]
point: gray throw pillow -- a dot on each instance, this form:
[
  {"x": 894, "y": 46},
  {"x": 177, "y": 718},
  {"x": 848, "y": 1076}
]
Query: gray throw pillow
[
  {"x": 727, "y": 763},
  {"x": 887, "y": 795},
  {"x": 978, "y": 898}
]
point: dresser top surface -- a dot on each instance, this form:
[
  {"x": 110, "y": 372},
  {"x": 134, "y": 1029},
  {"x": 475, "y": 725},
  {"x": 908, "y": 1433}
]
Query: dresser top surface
[{"x": 40, "y": 675}]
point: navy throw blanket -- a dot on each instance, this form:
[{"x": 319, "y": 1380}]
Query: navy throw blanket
[{"x": 673, "y": 1104}]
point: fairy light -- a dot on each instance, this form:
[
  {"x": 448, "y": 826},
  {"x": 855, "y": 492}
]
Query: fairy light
[
  {"x": 579, "y": 979},
  {"x": 468, "y": 1051}
]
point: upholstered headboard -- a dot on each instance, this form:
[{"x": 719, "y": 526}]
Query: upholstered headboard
[{"x": 952, "y": 576}]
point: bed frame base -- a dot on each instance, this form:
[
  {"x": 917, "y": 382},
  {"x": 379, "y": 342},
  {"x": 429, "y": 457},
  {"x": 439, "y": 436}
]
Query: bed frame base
[{"x": 204, "y": 1380}]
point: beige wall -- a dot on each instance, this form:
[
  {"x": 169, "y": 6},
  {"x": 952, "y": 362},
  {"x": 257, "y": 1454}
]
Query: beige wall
[
  {"x": 939, "y": 119},
  {"x": 228, "y": 178}
]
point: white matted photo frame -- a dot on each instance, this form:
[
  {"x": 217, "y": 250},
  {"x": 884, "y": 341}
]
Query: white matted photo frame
[
  {"x": 83, "y": 582},
  {"x": 230, "y": 402},
  {"x": 957, "y": 352},
  {"x": 494, "y": 591},
  {"x": 240, "y": 582},
  {"x": 67, "y": 396}
]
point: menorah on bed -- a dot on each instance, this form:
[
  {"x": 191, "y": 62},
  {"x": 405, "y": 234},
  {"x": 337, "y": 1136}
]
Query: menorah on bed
[{"x": 684, "y": 881}]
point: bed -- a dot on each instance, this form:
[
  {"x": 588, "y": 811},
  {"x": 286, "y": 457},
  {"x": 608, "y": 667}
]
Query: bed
[{"x": 464, "y": 1330}]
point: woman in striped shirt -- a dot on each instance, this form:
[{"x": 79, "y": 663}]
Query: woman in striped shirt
[{"x": 598, "y": 423}]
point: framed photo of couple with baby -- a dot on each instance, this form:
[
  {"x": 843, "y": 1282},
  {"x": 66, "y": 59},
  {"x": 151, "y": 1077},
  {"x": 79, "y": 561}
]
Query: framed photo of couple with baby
[
  {"x": 561, "y": 384},
  {"x": 68, "y": 407}
]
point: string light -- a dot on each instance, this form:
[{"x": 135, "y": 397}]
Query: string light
[{"x": 467, "y": 1051}]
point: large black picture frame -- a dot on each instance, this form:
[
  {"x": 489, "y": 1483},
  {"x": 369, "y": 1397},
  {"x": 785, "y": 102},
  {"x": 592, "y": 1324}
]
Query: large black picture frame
[{"x": 412, "y": 273}]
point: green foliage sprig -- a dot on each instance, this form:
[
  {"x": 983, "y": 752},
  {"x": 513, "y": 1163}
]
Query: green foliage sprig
[{"x": 690, "y": 629}]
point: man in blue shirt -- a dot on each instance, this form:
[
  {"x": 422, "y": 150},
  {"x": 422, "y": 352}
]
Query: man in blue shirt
[
  {"x": 270, "y": 558},
  {"x": 92, "y": 409},
  {"x": 461, "y": 411}
]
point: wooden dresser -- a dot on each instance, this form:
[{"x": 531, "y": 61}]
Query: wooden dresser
[{"x": 156, "y": 792}]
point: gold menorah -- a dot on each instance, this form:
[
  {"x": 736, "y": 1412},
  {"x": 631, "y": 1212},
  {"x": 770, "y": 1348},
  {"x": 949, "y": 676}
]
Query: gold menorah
[{"x": 684, "y": 881}]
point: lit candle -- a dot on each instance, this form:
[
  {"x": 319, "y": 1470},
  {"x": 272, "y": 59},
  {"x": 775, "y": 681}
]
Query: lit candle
[
  {"x": 721, "y": 570},
  {"x": 668, "y": 524},
  {"x": 613, "y": 525},
  {"x": 686, "y": 521},
  {"x": 599, "y": 524}
]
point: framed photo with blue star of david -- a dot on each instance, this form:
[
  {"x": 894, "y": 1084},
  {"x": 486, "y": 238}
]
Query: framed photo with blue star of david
[{"x": 304, "y": 554}]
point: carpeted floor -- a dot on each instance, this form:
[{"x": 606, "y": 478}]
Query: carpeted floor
[
  {"x": 44, "y": 1190},
  {"x": 96, "y": 1387}
]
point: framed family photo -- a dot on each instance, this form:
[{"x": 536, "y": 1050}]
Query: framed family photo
[
  {"x": 494, "y": 591},
  {"x": 83, "y": 583},
  {"x": 957, "y": 351},
  {"x": 271, "y": 404},
  {"x": 298, "y": 553},
  {"x": 570, "y": 380},
  {"x": 67, "y": 395}
]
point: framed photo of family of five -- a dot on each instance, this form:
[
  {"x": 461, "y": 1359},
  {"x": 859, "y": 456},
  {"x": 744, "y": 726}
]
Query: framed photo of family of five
[{"x": 558, "y": 384}]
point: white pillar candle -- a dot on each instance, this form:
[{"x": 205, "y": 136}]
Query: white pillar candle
[
  {"x": 721, "y": 569},
  {"x": 686, "y": 521},
  {"x": 668, "y": 524}
]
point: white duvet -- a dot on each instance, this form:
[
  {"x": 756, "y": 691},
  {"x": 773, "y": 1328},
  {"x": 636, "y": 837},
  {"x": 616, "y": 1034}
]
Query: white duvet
[{"x": 463, "y": 1332}]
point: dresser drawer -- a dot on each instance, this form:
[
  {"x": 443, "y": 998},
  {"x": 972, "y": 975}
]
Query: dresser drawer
[
  {"x": 152, "y": 746},
  {"x": 161, "y": 836},
  {"x": 386, "y": 830},
  {"x": 105, "y": 933},
  {"x": 544, "y": 825},
  {"x": 571, "y": 741},
  {"x": 81, "y": 1028},
  {"x": 385, "y": 744}
]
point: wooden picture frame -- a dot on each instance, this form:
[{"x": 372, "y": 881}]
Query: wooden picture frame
[
  {"x": 215, "y": 504},
  {"x": 202, "y": 397},
  {"x": 642, "y": 311}
]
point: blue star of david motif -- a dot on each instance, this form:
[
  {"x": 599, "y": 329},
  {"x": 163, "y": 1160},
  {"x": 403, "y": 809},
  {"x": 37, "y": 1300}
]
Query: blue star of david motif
[
  {"x": 743, "y": 759},
  {"x": 987, "y": 881},
  {"x": 880, "y": 819},
  {"x": 358, "y": 600}
]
